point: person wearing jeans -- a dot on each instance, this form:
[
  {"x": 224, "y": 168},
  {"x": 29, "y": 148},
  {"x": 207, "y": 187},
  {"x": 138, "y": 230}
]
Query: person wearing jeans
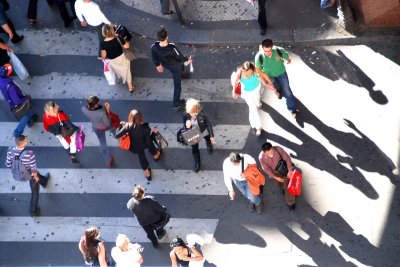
[
  {"x": 14, "y": 97},
  {"x": 233, "y": 168},
  {"x": 101, "y": 123},
  {"x": 269, "y": 63},
  {"x": 28, "y": 159}
]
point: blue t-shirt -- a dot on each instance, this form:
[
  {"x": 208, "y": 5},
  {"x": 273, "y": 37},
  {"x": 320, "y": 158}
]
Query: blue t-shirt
[{"x": 250, "y": 83}]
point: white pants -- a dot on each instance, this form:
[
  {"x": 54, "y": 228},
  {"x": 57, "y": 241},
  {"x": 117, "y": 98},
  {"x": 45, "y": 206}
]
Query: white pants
[
  {"x": 252, "y": 99},
  {"x": 66, "y": 145}
]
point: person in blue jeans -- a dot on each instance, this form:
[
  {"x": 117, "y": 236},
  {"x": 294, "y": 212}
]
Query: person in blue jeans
[
  {"x": 269, "y": 62},
  {"x": 233, "y": 168},
  {"x": 14, "y": 97},
  {"x": 167, "y": 55},
  {"x": 101, "y": 123}
]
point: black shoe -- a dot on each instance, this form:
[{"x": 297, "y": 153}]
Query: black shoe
[
  {"x": 68, "y": 152},
  {"x": 155, "y": 245},
  {"x": 35, "y": 213},
  {"x": 73, "y": 158},
  {"x": 47, "y": 175},
  {"x": 148, "y": 177},
  {"x": 262, "y": 32},
  {"x": 196, "y": 168},
  {"x": 279, "y": 94},
  {"x": 160, "y": 236},
  {"x": 21, "y": 37},
  {"x": 209, "y": 149},
  {"x": 252, "y": 207},
  {"x": 292, "y": 207},
  {"x": 178, "y": 107}
]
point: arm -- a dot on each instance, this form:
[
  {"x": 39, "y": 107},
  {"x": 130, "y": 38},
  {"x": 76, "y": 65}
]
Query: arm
[
  {"x": 78, "y": 11},
  {"x": 228, "y": 179},
  {"x": 6, "y": 47},
  {"x": 285, "y": 55},
  {"x": 103, "y": 54},
  {"x": 9, "y": 158},
  {"x": 80, "y": 246},
  {"x": 209, "y": 127},
  {"x": 45, "y": 122},
  {"x": 197, "y": 255},
  {"x": 156, "y": 59},
  {"x": 174, "y": 262},
  {"x": 102, "y": 17},
  {"x": 102, "y": 255},
  {"x": 121, "y": 130},
  {"x": 7, "y": 29}
]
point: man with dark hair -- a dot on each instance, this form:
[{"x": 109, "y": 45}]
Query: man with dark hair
[
  {"x": 233, "y": 168},
  {"x": 167, "y": 55},
  {"x": 15, "y": 99},
  {"x": 148, "y": 212},
  {"x": 278, "y": 165},
  {"x": 269, "y": 62},
  {"x": 27, "y": 158}
]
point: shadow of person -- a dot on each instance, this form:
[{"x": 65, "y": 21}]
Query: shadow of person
[
  {"x": 315, "y": 154},
  {"x": 305, "y": 232},
  {"x": 362, "y": 151},
  {"x": 339, "y": 66}
]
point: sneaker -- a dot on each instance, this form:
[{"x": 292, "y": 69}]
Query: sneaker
[
  {"x": 295, "y": 113},
  {"x": 73, "y": 158},
  {"x": 252, "y": 207},
  {"x": 110, "y": 164},
  {"x": 178, "y": 107},
  {"x": 258, "y": 132},
  {"x": 259, "y": 208},
  {"x": 161, "y": 235},
  {"x": 292, "y": 207},
  {"x": 47, "y": 175}
]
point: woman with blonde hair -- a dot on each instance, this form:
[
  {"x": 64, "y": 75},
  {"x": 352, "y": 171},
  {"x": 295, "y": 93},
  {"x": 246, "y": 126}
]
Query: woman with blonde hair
[
  {"x": 58, "y": 123},
  {"x": 139, "y": 134},
  {"x": 111, "y": 49},
  {"x": 92, "y": 248},
  {"x": 251, "y": 88},
  {"x": 194, "y": 116},
  {"x": 126, "y": 254}
]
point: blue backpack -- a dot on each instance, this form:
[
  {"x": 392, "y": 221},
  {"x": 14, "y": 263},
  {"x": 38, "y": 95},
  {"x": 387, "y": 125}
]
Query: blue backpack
[{"x": 19, "y": 171}]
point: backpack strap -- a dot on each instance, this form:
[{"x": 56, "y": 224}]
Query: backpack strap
[{"x": 242, "y": 156}]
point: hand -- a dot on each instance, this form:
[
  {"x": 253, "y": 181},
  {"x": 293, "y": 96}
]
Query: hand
[
  {"x": 212, "y": 139},
  {"x": 188, "y": 124},
  {"x": 9, "y": 49},
  {"x": 155, "y": 130},
  {"x": 289, "y": 61},
  {"x": 234, "y": 96},
  {"x": 160, "y": 68},
  {"x": 35, "y": 177},
  {"x": 190, "y": 61},
  {"x": 278, "y": 179},
  {"x": 232, "y": 195},
  {"x": 289, "y": 175},
  {"x": 83, "y": 23},
  {"x": 10, "y": 35},
  {"x": 107, "y": 105}
]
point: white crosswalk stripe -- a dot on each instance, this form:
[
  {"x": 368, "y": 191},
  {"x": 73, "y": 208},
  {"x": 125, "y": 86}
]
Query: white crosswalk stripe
[
  {"x": 37, "y": 135},
  {"x": 121, "y": 181},
  {"x": 69, "y": 229}
]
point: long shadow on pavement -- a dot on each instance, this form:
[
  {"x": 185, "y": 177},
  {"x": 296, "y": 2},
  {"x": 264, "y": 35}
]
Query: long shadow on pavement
[{"x": 315, "y": 154}]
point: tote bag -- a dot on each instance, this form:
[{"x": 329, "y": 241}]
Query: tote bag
[
  {"x": 109, "y": 73},
  {"x": 18, "y": 67}
]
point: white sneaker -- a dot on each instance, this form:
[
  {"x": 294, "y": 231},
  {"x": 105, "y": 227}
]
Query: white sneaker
[{"x": 258, "y": 132}]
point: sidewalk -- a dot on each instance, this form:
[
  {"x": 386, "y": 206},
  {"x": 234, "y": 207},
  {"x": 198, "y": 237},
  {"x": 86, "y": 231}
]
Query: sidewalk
[{"x": 234, "y": 22}]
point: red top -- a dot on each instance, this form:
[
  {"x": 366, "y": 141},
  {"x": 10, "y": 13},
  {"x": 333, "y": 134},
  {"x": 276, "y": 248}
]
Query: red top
[{"x": 51, "y": 120}]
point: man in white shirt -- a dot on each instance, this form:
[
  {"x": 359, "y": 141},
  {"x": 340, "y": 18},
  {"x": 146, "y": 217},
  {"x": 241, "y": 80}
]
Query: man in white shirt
[
  {"x": 89, "y": 13},
  {"x": 233, "y": 171}
]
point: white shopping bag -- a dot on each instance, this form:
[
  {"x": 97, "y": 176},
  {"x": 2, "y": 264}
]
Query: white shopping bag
[
  {"x": 109, "y": 73},
  {"x": 18, "y": 67}
]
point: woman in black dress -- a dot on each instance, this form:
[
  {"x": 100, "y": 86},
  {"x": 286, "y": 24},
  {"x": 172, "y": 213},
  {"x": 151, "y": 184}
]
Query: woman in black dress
[{"x": 139, "y": 134}]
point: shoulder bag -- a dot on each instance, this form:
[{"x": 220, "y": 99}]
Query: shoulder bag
[
  {"x": 66, "y": 131},
  {"x": 190, "y": 136},
  {"x": 22, "y": 109},
  {"x": 127, "y": 52},
  {"x": 282, "y": 166},
  {"x": 125, "y": 141}
]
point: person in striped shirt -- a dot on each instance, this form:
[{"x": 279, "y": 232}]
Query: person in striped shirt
[{"x": 29, "y": 160}]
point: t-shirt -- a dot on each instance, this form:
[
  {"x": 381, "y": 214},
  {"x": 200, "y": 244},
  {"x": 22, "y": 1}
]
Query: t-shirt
[
  {"x": 127, "y": 258},
  {"x": 112, "y": 47},
  {"x": 272, "y": 66},
  {"x": 251, "y": 83}
]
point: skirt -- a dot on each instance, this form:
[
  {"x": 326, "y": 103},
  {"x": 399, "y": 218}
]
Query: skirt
[{"x": 122, "y": 68}]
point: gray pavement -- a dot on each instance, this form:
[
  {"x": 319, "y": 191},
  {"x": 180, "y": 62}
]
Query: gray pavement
[{"x": 346, "y": 139}]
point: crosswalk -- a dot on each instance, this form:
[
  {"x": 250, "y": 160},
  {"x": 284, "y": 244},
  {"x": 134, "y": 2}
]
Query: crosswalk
[{"x": 91, "y": 194}]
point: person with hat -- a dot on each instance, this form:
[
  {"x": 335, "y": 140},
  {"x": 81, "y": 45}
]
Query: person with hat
[
  {"x": 15, "y": 98},
  {"x": 27, "y": 158},
  {"x": 101, "y": 123}
]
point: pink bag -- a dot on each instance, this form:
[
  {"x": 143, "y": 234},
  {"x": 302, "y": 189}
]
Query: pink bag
[{"x": 80, "y": 139}]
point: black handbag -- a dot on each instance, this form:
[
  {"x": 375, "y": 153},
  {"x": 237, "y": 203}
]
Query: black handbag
[
  {"x": 163, "y": 222},
  {"x": 159, "y": 141},
  {"x": 282, "y": 166},
  {"x": 190, "y": 136},
  {"x": 22, "y": 109},
  {"x": 66, "y": 131}
]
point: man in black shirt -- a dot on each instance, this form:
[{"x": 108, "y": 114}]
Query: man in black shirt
[{"x": 166, "y": 55}]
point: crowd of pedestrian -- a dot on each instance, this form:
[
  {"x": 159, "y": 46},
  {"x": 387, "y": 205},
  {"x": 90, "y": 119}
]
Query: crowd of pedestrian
[{"x": 241, "y": 169}]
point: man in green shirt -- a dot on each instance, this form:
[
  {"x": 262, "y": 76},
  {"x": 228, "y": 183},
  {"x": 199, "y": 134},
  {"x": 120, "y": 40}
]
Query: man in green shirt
[{"x": 269, "y": 62}]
